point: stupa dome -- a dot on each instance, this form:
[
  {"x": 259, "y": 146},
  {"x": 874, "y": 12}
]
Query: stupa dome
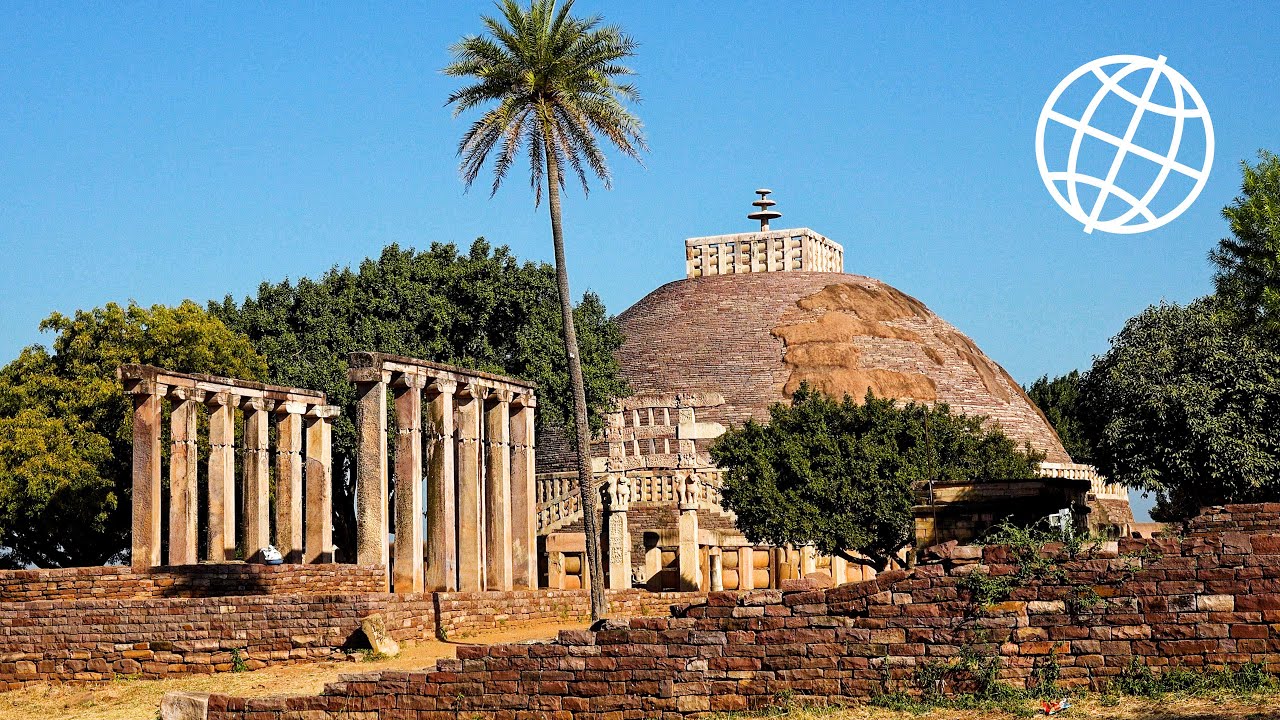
[{"x": 753, "y": 337}]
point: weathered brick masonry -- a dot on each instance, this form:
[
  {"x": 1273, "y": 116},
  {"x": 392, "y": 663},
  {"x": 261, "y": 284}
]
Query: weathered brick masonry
[
  {"x": 101, "y": 622},
  {"x": 83, "y": 640},
  {"x": 1202, "y": 601},
  {"x": 461, "y": 613},
  {"x": 122, "y": 583}
]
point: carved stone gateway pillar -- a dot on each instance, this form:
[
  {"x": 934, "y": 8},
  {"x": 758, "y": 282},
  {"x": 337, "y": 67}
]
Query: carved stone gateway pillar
[
  {"x": 617, "y": 501},
  {"x": 497, "y": 490},
  {"x": 146, "y": 473},
  {"x": 441, "y": 574},
  {"x": 407, "y": 576},
  {"x": 687, "y": 554},
  {"x": 222, "y": 478},
  {"x": 524, "y": 508},
  {"x": 318, "y": 546},
  {"x": 469, "y": 462},
  {"x": 371, "y": 466},
  {"x": 289, "y": 480}
]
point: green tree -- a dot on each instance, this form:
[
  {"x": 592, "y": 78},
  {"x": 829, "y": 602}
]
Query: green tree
[
  {"x": 843, "y": 476},
  {"x": 1248, "y": 274},
  {"x": 65, "y": 437},
  {"x": 1188, "y": 407},
  {"x": 1059, "y": 400},
  {"x": 483, "y": 310},
  {"x": 554, "y": 83}
]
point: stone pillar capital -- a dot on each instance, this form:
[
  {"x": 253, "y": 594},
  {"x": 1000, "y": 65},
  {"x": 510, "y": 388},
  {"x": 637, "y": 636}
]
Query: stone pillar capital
[
  {"x": 368, "y": 375},
  {"x": 402, "y": 381},
  {"x": 438, "y": 386},
  {"x": 218, "y": 399},
  {"x": 689, "y": 491},
  {"x": 252, "y": 404},
  {"x": 186, "y": 393},
  {"x": 524, "y": 399},
  {"x": 617, "y": 492},
  {"x": 290, "y": 408},
  {"x": 324, "y": 412}
]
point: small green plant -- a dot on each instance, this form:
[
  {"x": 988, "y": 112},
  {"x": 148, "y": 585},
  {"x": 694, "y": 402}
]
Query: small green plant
[
  {"x": 1140, "y": 680},
  {"x": 1082, "y": 599},
  {"x": 238, "y": 663},
  {"x": 1045, "y": 672},
  {"x": 986, "y": 589},
  {"x": 371, "y": 655}
]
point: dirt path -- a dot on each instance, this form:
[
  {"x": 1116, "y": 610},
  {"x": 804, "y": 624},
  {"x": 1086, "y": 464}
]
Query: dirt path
[{"x": 140, "y": 699}]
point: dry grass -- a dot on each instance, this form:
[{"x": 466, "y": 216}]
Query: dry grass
[{"x": 140, "y": 699}]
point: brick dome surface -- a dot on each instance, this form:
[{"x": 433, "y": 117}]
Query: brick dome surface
[{"x": 755, "y": 337}]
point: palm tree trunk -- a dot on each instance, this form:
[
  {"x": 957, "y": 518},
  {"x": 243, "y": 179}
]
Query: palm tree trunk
[{"x": 582, "y": 425}]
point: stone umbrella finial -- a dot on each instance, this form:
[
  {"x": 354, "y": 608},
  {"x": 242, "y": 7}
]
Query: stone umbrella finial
[{"x": 764, "y": 214}]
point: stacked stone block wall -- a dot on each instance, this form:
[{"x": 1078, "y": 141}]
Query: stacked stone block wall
[
  {"x": 459, "y": 614},
  {"x": 1218, "y": 519},
  {"x": 85, "y": 640},
  {"x": 1200, "y": 602},
  {"x": 214, "y": 580}
]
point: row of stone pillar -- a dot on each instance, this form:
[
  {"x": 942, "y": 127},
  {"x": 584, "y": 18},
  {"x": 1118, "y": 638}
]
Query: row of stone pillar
[
  {"x": 479, "y": 503},
  {"x": 303, "y": 468}
]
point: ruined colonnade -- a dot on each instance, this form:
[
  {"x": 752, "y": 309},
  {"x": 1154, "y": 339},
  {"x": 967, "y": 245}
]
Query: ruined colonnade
[
  {"x": 478, "y": 441},
  {"x": 303, "y": 510}
]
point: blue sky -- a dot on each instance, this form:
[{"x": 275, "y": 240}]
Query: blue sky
[{"x": 161, "y": 151}]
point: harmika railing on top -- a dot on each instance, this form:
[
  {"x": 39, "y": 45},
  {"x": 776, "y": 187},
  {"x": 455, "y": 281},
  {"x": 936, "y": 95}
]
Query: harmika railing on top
[
  {"x": 559, "y": 503},
  {"x": 1079, "y": 471}
]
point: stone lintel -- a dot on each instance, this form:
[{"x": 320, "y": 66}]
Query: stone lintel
[
  {"x": 365, "y": 375},
  {"x": 141, "y": 378},
  {"x": 400, "y": 363}
]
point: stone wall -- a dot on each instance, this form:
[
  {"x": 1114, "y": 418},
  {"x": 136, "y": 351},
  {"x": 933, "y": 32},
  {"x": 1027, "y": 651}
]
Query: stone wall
[
  {"x": 1203, "y": 601},
  {"x": 1218, "y": 519},
  {"x": 459, "y": 614},
  {"x": 105, "y": 631},
  {"x": 86, "y": 640},
  {"x": 122, "y": 583}
]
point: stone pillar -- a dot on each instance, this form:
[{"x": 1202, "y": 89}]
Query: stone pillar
[
  {"x": 318, "y": 547},
  {"x": 687, "y": 555},
  {"x": 289, "y": 481},
  {"x": 407, "y": 574},
  {"x": 441, "y": 574},
  {"x": 371, "y": 467},
  {"x": 715, "y": 569},
  {"x": 746, "y": 568},
  {"x": 839, "y": 570},
  {"x": 524, "y": 504},
  {"x": 257, "y": 474},
  {"x": 497, "y": 491},
  {"x": 146, "y": 474},
  {"x": 653, "y": 566},
  {"x": 555, "y": 570},
  {"x": 618, "y": 499},
  {"x": 808, "y": 560},
  {"x": 222, "y": 478},
  {"x": 470, "y": 542},
  {"x": 183, "y": 490}
]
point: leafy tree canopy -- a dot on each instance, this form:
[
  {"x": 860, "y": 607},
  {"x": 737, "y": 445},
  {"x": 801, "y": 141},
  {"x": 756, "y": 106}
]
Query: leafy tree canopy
[
  {"x": 1248, "y": 275},
  {"x": 65, "y": 439},
  {"x": 483, "y": 310},
  {"x": 1186, "y": 406},
  {"x": 1059, "y": 400},
  {"x": 843, "y": 476}
]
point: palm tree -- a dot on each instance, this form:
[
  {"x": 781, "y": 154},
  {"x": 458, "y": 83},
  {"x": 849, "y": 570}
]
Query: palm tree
[{"x": 553, "y": 81}]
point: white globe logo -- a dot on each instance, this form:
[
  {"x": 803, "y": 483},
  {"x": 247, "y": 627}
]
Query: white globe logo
[{"x": 1137, "y": 217}]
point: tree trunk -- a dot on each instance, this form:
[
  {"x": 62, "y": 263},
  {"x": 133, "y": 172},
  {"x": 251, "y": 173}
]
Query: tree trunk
[{"x": 582, "y": 425}]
